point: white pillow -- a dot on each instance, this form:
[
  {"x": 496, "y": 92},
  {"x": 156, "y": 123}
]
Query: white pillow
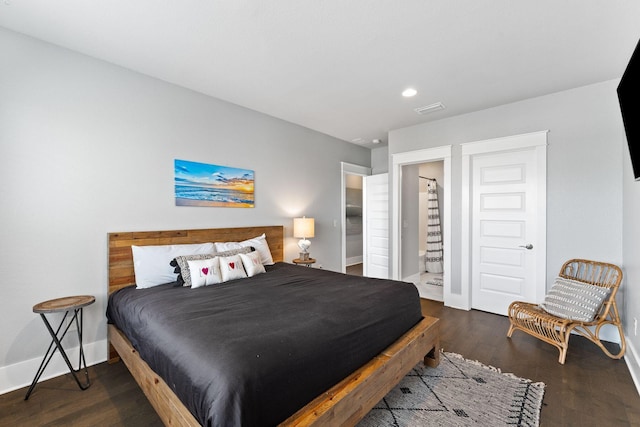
[
  {"x": 151, "y": 263},
  {"x": 259, "y": 243},
  {"x": 204, "y": 272},
  {"x": 231, "y": 268},
  {"x": 252, "y": 264}
]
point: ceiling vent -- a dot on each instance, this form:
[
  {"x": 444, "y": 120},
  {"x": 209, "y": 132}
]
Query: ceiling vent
[{"x": 429, "y": 108}]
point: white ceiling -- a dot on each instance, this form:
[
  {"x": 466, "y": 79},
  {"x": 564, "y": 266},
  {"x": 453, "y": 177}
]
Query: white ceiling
[{"x": 339, "y": 66}]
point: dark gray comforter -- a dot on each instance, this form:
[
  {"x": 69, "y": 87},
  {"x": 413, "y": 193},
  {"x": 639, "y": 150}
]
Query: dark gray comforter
[{"x": 253, "y": 351}]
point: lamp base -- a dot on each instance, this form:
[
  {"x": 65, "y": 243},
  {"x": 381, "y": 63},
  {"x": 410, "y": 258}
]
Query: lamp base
[
  {"x": 304, "y": 244},
  {"x": 304, "y": 256}
]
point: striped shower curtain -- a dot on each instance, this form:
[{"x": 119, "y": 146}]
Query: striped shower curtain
[{"x": 433, "y": 255}]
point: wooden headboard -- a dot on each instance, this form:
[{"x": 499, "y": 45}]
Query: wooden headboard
[{"x": 121, "y": 272}]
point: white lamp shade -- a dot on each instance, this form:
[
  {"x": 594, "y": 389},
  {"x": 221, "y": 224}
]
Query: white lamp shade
[{"x": 303, "y": 227}]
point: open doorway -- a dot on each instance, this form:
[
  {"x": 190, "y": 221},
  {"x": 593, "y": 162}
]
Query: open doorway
[
  {"x": 430, "y": 281},
  {"x": 353, "y": 225},
  {"x": 405, "y": 234}
]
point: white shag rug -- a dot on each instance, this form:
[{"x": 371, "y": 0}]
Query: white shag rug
[{"x": 459, "y": 392}]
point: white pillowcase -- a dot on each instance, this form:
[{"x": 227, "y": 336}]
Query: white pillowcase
[
  {"x": 204, "y": 272},
  {"x": 252, "y": 264},
  {"x": 259, "y": 243},
  {"x": 151, "y": 263},
  {"x": 231, "y": 268}
]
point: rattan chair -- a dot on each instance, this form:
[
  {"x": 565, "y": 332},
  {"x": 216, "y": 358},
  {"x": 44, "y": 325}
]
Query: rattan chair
[{"x": 532, "y": 319}]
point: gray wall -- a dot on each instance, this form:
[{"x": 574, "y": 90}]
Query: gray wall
[
  {"x": 631, "y": 261},
  {"x": 379, "y": 160},
  {"x": 88, "y": 148},
  {"x": 584, "y": 179}
]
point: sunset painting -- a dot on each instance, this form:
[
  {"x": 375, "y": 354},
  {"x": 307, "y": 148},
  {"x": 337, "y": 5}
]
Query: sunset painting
[{"x": 201, "y": 184}]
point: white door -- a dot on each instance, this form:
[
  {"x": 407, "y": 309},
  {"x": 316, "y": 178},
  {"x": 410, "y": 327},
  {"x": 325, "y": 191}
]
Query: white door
[
  {"x": 376, "y": 226},
  {"x": 506, "y": 248}
]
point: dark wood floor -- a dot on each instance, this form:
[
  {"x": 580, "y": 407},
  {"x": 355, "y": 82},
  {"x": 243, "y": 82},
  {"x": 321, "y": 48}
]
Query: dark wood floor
[
  {"x": 355, "y": 269},
  {"x": 589, "y": 390}
]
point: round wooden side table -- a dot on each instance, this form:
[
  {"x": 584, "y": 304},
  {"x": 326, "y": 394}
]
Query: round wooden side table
[
  {"x": 307, "y": 262},
  {"x": 67, "y": 305}
]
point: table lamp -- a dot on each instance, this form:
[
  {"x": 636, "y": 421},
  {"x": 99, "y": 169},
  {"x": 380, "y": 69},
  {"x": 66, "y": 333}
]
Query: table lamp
[{"x": 303, "y": 228}]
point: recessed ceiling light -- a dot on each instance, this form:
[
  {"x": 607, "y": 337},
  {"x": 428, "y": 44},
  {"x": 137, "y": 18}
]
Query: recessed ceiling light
[
  {"x": 376, "y": 141},
  {"x": 409, "y": 92}
]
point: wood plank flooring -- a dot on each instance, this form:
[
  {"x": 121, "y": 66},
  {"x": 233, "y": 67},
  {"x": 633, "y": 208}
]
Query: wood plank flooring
[
  {"x": 589, "y": 390},
  {"x": 355, "y": 269}
]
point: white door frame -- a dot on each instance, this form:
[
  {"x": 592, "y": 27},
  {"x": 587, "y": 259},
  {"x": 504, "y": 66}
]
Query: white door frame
[
  {"x": 536, "y": 140},
  {"x": 399, "y": 160},
  {"x": 347, "y": 169}
]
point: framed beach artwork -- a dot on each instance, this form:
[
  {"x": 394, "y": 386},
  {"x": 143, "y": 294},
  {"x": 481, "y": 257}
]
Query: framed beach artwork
[{"x": 201, "y": 184}]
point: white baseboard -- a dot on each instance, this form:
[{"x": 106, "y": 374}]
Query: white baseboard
[
  {"x": 450, "y": 300},
  {"x": 457, "y": 301},
  {"x": 21, "y": 374},
  {"x": 607, "y": 333},
  {"x": 354, "y": 260},
  {"x": 414, "y": 278},
  {"x": 632, "y": 357}
]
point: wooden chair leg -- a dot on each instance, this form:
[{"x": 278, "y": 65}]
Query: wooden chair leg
[
  {"x": 563, "y": 355},
  {"x": 623, "y": 343},
  {"x": 510, "y": 331}
]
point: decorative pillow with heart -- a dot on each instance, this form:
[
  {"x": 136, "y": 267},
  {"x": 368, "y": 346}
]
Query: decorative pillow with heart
[
  {"x": 252, "y": 264},
  {"x": 231, "y": 268},
  {"x": 204, "y": 272},
  {"x": 182, "y": 269}
]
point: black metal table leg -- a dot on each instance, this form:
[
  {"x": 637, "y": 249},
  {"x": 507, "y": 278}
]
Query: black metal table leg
[{"x": 56, "y": 344}]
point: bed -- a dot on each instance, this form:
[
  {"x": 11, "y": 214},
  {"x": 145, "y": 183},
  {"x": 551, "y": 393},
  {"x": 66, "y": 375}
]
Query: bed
[{"x": 349, "y": 395}]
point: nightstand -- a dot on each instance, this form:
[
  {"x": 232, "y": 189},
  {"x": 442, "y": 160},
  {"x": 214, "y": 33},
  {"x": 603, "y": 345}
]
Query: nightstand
[
  {"x": 307, "y": 262},
  {"x": 64, "y": 305}
]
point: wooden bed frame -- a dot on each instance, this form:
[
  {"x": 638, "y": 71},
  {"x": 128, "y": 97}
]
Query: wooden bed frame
[{"x": 343, "y": 404}]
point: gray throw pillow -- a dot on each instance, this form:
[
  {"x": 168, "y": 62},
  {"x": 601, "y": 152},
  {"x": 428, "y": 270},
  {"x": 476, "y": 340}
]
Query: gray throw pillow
[{"x": 574, "y": 300}]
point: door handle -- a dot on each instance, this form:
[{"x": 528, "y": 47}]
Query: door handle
[{"x": 528, "y": 246}]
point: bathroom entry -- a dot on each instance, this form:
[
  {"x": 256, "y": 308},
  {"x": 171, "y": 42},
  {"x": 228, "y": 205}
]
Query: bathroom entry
[{"x": 430, "y": 226}]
